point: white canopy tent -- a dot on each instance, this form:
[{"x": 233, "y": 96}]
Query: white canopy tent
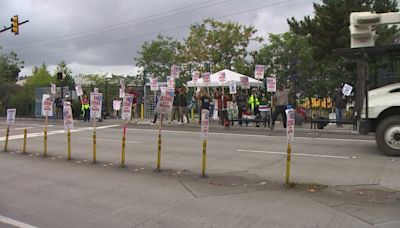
[{"x": 229, "y": 76}]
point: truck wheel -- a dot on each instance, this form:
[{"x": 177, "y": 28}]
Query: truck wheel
[{"x": 388, "y": 136}]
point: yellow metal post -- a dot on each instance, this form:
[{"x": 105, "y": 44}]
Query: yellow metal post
[
  {"x": 142, "y": 111},
  {"x": 45, "y": 139},
  {"x": 69, "y": 144},
  {"x": 159, "y": 144},
  {"x": 94, "y": 140},
  {"x": 192, "y": 114},
  {"x": 6, "y": 142},
  {"x": 24, "y": 145},
  {"x": 203, "y": 170},
  {"x": 288, "y": 159},
  {"x": 123, "y": 147}
]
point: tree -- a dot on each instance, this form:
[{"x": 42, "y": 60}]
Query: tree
[
  {"x": 220, "y": 45},
  {"x": 40, "y": 77},
  {"x": 156, "y": 57},
  {"x": 10, "y": 66}
]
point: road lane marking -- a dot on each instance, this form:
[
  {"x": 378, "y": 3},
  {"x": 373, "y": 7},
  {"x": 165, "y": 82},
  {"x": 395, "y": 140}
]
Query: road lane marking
[
  {"x": 283, "y": 137},
  {"x": 15, "y": 223},
  {"x": 19, "y": 128},
  {"x": 38, "y": 134},
  {"x": 294, "y": 154},
  {"x": 109, "y": 140}
]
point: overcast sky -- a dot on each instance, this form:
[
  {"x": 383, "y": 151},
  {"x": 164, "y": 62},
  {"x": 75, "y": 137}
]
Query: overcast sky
[{"x": 99, "y": 36}]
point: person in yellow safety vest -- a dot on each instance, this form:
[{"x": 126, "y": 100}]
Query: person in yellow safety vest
[
  {"x": 254, "y": 103},
  {"x": 85, "y": 108}
]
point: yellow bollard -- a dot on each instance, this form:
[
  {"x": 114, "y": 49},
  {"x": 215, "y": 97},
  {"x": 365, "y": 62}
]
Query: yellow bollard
[
  {"x": 6, "y": 142},
  {"x": 45, "y": 139},
  {"x": 142, "y": 111},
  {"x": 24, "y": 145},
  {"x": 289, "y": 151},
  {"x": 203, "y": 170},
  {"x": 94, "y": 146},
  {"x": 69, "y": 144},
  {"x": 159, "y": 144},
  {"x": 192, "y": 114},
  {"x": 123, "y": 148}
]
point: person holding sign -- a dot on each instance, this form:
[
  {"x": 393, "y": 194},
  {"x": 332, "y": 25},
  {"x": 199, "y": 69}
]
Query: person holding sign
[
  {"x": 280, "y": 100},
  {"x": 205, "y": 100},
  {"x": 85, "y": 108},
  {"x": 339, "y": 102}
]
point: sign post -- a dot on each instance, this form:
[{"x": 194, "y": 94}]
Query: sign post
[
  {"x": 96, "y": 100},
  {"x": 166, "y": 100},
  {"x": 47, "y": 110},
  {"x": 68, "y": 124},
  {"x": 271, "y": 87},
  {"x": 205, "y": 117},
  {"x": 126, "y": 116},
  {"x": 289, "y": 139},
  {"x": 10, "y": 121}
]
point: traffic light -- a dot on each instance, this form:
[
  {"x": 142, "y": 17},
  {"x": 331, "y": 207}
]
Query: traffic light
[
  {"x": 14, "y": 25},
  {"x": 60, "y": 76}
]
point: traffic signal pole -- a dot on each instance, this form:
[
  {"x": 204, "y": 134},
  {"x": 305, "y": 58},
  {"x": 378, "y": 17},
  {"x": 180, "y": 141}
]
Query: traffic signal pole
[{"x": 8, "y": 28}]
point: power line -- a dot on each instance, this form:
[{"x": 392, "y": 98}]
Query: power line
[
  {"x": 164, "y": 30},
  {"x": 121, "y": 25}
]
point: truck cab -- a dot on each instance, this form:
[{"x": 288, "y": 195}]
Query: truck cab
[{"x": 383, "y": 118}]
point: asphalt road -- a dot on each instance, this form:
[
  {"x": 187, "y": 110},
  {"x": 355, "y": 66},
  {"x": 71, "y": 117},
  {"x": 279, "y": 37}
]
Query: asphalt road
[{"x": 340, "y": 178}]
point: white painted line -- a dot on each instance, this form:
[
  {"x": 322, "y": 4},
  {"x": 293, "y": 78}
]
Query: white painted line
[
  {"x": 39, "y": 134},
  {"x": 15, "y": 223},
  {"x": 19, "y": 128},
  {"x": 282, "y": 137},
  {"x": 110, "y": 140},
  {"x": 294, "y": 154}
]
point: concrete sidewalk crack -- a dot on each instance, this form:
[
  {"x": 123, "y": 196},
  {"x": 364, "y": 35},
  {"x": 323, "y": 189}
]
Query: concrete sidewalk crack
[{"x": 190, "y": 191}]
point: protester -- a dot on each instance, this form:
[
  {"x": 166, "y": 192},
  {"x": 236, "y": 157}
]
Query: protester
[
  {"x": 339, "y": 102},
  {"x": 241, "y": 100},
  {"x": 222, "y": 107},
  {"x": 117, "y": 111},
  {"x": 280, "y": 102},
  {"x": 157, "y": 107},
  {"x": 58, "y": 103},
  {"x": 85, "y": 108},
  {"x": 205, "y": 102},
  {"x": 264, "y": 109},
  {"x": 175, "y": 107},
  {"x": 134, "y": 104},
  {"x": 254, "y": 102},
  {"x": 183, "y": 105}
]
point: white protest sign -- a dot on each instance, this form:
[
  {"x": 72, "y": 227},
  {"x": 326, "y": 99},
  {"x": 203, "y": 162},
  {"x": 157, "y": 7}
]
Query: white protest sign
[
  {"x": 122, "y": 84},
  {"x": 121, "y": 93},
  {"x": 53, "y": 88},
  {"x": 153, "y": 84},
  {"x": 195, "y": 76},
  {"x": 259, "y": 72},
  {"x": 205, "y": 120},
  {"x": 96, "y": 90},
  {"x": 11, "y": 116},
  {"x": 290, "y": 120},
  {"x": 346, "y": 90},
  {"x": 78, "y": 89},
  {"x": 170, "y": 82},
  {"x": 175, "y": 71},
  {"x": 244, "y": 81},
  {"x": 127, "y": 107},
  {"x": 47, "y": 105},
  {"x": 166, "y": 99},
  {"x": 206, "y": 78},
  {"x": 232, "y": 87},
  {"x": 116, "y": 105},
  {"x": 67, "y": 115},
  {"x": 222, "y": 77},
  {"x": 271, "y": 84},
  {"x": 96, "y": 101}
]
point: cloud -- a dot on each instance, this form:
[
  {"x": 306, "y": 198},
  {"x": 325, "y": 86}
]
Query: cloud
[{"x": 96, "y": 34}]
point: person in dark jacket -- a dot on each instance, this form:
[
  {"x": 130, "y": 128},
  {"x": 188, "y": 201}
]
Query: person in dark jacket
[
  {"x": 175, "y": 107},
  {"x": 241, "y": 101},
  {"x": 340, "y": 102},
  {"x": 183, "y": 105}
]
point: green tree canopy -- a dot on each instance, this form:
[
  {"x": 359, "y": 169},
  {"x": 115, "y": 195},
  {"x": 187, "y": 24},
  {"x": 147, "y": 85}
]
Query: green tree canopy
[
  {"x": 40, "y": 77},
  {"x": 156, "y": 57},
  {"x": 68, "y": 79},
  {"x": 10, "y": 66}
]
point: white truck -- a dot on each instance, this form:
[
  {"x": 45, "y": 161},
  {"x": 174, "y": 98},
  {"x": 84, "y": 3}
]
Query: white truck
[{"x": 383, "y": 118}]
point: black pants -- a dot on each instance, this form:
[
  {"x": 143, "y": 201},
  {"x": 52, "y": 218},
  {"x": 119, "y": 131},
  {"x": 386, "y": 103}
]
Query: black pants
[
  {"x": 279, "y": 109},
  {"x": 155, "y": 117},
  {"x": 87, "y": 115},
  {"x": 240, "y": 113}
]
